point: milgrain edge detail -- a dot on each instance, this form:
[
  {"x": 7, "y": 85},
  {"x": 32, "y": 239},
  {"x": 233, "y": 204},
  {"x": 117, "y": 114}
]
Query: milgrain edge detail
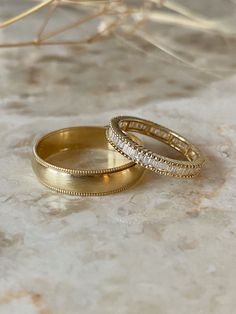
[{"x": 148, "y": 159}]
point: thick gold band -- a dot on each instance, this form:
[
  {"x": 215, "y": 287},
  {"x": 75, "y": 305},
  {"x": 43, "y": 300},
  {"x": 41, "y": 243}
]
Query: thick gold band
[
  {"x": 117, "y": 175},
  {"x": 122, "y": 142}
]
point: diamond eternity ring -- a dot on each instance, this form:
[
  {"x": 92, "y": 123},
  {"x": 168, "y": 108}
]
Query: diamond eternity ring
[{"x": 119, "y": 138}]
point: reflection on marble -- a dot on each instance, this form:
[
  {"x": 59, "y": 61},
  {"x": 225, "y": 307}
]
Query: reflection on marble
[{"x": 163, "y": 247}]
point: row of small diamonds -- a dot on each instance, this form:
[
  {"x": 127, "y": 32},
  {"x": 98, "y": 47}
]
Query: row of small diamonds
[
  {"x": 166, "y": 167},
  {"x": 149, "y": 159},
  {"x": 141, "y": 126},
  {"x": 121, "y": 144}
]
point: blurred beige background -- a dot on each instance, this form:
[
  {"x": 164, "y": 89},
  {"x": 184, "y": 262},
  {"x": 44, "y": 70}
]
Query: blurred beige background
[{"x": 166, "y": 246}]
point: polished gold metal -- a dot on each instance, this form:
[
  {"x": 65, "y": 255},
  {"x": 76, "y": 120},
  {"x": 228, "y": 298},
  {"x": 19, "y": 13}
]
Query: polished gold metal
[
  {"x": 121, "y": 141},
  {"x": 65, "y": 161}
]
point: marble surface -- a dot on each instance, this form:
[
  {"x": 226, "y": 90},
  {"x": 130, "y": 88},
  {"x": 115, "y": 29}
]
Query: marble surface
[{"x": 165, "y": 246}]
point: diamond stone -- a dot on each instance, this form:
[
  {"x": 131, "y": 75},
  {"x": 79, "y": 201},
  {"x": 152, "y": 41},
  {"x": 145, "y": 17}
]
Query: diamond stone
[
  {"x": 146, "y": 160},
  {"x": 178, "y": 170},
  {"x": 132, "y": 152},
  {"x": 163, "y": 166},
  {"x": 155, "y": 163},
  {"x": 188, "y": 171},
  {"x": 139, "y": 157},
  {"x": 114, "y": 138},
  {"x": 126, "y": 149},
  {"x": 120, "y": 143},
  {"x": 110, "y": 133}
]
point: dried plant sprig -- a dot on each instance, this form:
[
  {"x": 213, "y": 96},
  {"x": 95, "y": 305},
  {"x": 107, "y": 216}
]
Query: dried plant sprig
[
  {"x": 26, "y": 13},
  {"x": 114, "y": 14},
  {"x": 185, "y": 16}
]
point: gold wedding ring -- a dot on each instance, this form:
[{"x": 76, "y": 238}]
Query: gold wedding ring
[
  {"x": 80, "y": 161},
  {"x": 122, "y": 142}
]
